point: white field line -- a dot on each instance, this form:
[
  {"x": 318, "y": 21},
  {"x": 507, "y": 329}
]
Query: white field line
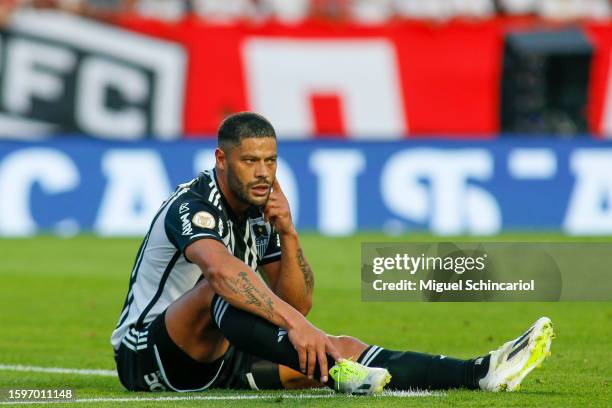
[
  {"x": 320, "y": 393},
  {"x": 400, "y": 394},
  {"x": 57, "y": 370}
]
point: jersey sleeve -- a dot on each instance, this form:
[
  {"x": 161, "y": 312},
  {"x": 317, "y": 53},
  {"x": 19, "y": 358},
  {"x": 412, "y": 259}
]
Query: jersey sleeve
[
  {"x": 273, "y": 251},
  {"x": 191, "y": 219}
]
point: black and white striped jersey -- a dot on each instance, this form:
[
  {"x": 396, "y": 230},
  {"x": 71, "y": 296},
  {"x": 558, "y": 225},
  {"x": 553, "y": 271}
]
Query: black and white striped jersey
[{"x": 161, "y": 273}]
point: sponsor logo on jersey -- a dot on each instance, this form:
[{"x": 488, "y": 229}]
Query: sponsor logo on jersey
[
  {"x": 187, "y": 230},
  {"x": 184, "y": 215},
  {"x": 204, "y": 219}
]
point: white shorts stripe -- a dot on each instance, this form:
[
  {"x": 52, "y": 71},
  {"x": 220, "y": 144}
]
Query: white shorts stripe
[
  {"x": 128, "y": 345},
  {"x": 135, "y": 341},
  {"x": 251, "y": 380}
]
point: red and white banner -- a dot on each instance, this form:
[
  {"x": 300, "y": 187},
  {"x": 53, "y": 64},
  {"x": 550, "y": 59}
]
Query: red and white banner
[
  {"x": 381, "y": 83},
  {"x": 392, "y": 81},
  {"x": 600, "y": 85},
  {"x": 62, "y": 74}
]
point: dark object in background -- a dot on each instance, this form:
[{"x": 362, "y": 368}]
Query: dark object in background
[{"x": 545, "y": 82}]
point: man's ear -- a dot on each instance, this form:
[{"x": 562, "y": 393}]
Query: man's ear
[{"x": 220, "y": 159}]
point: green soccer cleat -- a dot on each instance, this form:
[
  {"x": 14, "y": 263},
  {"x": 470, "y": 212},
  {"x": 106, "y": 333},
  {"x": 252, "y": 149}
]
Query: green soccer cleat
[
  {"x": 515, "y": 359},
  {"x": 353, "y": 378}
]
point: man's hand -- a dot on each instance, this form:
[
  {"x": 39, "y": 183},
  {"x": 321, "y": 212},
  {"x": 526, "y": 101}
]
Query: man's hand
[
  {"x": 291, "y": 278},
  {"x": 277, "y": 211},
  {"x": 312, "y": 345}
]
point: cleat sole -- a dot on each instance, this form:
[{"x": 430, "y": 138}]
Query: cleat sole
[{"x": 383, "y": 384}]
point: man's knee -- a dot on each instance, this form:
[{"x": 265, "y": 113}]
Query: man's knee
[{"x": 348, "y": 347}]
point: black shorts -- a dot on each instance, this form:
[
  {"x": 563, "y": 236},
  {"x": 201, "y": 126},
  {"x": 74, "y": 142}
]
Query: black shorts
[{"x": 148, "y": 360}]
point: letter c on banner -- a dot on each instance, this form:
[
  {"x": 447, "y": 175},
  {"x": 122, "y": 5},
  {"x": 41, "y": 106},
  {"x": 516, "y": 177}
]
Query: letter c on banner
[{"x": 52, "y": 170}]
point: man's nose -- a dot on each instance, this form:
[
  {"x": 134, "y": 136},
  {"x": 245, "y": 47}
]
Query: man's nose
[{"x": 261, "y": 170}]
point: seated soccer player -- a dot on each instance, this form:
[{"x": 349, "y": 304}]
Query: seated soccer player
[{"x": 197, "y": 315}]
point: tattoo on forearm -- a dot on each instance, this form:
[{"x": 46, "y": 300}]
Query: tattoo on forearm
[
  {"x": 243, "y": 286},
  {"x": 306, "y": 271}
]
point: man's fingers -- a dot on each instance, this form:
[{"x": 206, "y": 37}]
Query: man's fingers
[
  {"x": 322, "y": 357},
  {"x": 271, "y": 201},
  {"x": 332, "y": 351},
  {"x": 273, "y": 196},
  {"x": 302, "y": 357},
  {"x": 270, "y": 212},
  {"x": 312, "y": 362},
  {"x": 271, "y": 207}
]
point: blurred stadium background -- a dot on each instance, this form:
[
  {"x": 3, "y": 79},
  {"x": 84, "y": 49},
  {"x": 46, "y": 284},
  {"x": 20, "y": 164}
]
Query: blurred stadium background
[
  {"x": 397, "y": 119},
  {"x": 453, "y": 117}
]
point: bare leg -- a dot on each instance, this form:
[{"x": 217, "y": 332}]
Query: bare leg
[
  {"x": 190, "y": 325},
  {"x": 294, "y": 380}
]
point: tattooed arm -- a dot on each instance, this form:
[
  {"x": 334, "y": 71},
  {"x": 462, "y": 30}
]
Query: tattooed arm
[
  {"x": 291, "y": 278},
  {"x": 234, "y": 281},
  {"x": 237, "y": 283}
]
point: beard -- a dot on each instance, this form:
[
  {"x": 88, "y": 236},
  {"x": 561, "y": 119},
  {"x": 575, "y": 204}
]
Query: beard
[{"x": 241, "y": 190}]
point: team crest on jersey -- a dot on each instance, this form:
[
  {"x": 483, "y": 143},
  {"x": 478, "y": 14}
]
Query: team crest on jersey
[
  {"x": 204, "y": 219},
  {"x": 262, "y": 237}
]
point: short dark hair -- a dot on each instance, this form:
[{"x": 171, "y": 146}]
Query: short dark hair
[{"x": 243, "y": 125}]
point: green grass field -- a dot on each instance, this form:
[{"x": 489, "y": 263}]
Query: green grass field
[{"x": 60, "y": 299}]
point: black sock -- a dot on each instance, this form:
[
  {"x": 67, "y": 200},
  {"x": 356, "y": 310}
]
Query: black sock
[
  {"x": 410, "y": 370},
  {"x": 480, "y": 367},
  {"x": 255, "y": 335}
]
